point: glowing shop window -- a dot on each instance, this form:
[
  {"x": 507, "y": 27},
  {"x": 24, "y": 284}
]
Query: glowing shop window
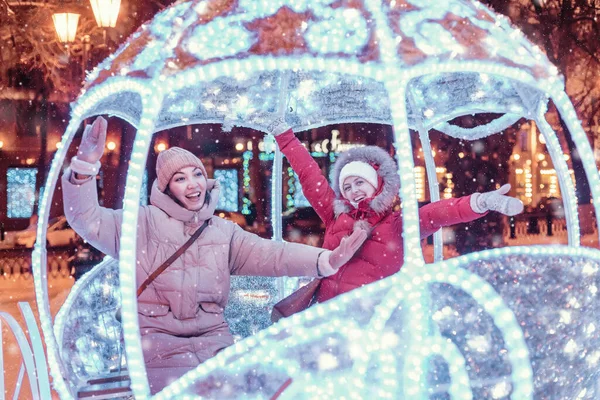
[
  {"x": 299, "y": 198},
  {"x": 228, "y": 200},
  {"x": 420, "y": 183},
  {"x": 21, "y": 192},
  {"x": 144, "y": 190}
]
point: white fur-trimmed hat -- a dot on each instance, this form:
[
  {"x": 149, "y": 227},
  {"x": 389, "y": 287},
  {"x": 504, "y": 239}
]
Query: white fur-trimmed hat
[{"x": 361, "y": 169}]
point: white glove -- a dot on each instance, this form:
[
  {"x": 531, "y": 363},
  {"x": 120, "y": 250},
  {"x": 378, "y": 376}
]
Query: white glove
[
  {"x": 277, "y": 126},
  {"x": 330, "y": 261},
  {"x": 91, "y": 149},
  {"x": 496, "y": 201},
  {"x": 92, "y": 143}
]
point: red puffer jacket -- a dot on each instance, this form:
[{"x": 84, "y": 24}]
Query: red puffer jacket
[{"x": 382, "y": 253}]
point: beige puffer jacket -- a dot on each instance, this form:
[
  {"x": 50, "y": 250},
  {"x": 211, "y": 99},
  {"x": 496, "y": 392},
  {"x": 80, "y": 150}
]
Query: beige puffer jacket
[{"x": 181, "y": 312}]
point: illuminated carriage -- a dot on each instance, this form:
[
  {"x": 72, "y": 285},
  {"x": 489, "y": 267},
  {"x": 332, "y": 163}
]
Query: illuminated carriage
[{"x": 492, "y": 324}]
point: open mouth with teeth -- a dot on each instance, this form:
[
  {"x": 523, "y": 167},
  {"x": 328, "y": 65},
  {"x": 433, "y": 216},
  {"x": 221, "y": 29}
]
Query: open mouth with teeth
[
  {"x": 193, "y": 196},
  {"x": 358, "y": 198}
]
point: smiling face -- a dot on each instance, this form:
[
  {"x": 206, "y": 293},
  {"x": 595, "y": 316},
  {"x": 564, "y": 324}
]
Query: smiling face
[
  {"x": 188, "y": 186},
  {"x": 356, "y": 189}
]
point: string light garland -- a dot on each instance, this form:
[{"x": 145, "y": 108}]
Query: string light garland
[
  {"x": 290, "y": 198},
  {"x": 246, "y": 157}
]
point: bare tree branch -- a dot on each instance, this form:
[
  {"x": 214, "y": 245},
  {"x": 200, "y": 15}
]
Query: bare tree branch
[{"x": 28, "y": 41}]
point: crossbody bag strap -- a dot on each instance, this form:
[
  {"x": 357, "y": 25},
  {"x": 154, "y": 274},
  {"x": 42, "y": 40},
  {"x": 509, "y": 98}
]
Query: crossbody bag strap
[{"x": 170, "y": 260}]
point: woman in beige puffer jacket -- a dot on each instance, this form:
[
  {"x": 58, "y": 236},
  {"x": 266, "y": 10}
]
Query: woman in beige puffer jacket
[{"x": 181, "y": 312}]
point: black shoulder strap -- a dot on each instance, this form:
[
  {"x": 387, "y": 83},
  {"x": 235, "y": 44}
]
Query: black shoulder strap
[{"x": 170, "y": 260}]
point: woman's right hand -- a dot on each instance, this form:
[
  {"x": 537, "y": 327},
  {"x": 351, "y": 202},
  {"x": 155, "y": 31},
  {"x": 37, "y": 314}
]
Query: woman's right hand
[
  {"x": 348, "y": 246},
  {"x": 331, "y": 261},
  {"x": 92, "y": 144}
]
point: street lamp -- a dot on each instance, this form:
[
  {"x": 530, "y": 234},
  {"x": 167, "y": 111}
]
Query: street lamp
[
  {"x": 66, "y": 26},
  {"x": 106, "y": 12}
]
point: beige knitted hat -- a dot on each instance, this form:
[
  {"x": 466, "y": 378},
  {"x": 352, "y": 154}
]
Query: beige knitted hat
[{"x": 172, "y": 160}]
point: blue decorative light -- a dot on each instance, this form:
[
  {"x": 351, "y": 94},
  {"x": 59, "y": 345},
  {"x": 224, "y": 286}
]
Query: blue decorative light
[
  {"x": 230, "y": 189},
  {"x": 247, "y": 156},
  {"x": 290, "y": 196},
  {"x": 20, "y": 192},
  {"x": 262, "y": 156}
]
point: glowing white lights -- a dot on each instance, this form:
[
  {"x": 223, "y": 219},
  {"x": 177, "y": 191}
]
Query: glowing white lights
[
  {"x": 342, "y": 31},
  {"x": 219, "y": 39},
  {"x": 571, "y": 347}
]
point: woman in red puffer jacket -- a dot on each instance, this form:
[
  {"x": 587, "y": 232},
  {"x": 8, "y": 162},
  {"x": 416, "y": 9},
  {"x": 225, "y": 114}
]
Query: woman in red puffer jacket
[{"x": 365, "y": 184}]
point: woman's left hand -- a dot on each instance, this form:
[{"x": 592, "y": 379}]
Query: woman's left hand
[{"x": 496, "y": 201}]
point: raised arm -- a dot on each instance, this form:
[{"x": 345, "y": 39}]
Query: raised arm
[
  {"x": 448, "y": 212},
  {"x": 99, "y": 226},
  {"x": 314, "y": 185},
  {"x": 438, "y": 214}
]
